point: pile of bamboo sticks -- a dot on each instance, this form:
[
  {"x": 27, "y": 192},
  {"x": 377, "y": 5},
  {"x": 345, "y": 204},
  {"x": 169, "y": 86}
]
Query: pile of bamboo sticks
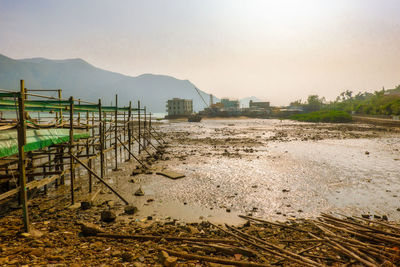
[{"x": 327, "y": 240}]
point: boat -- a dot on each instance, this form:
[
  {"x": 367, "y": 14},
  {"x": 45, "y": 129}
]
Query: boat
[{"x": 194, "y": 118}]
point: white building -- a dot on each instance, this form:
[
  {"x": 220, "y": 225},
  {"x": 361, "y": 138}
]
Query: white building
[{"x": 179, "y": 107}]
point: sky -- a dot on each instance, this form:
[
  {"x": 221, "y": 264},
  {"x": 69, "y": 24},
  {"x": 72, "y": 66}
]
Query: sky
[{"x": 277, "y": 50}]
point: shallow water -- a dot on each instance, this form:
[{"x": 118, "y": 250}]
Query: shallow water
[{"x": 272, "y": 169}]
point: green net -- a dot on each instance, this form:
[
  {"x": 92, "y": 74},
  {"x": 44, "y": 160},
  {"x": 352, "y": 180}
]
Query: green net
[{"x": 36, "y": 139}]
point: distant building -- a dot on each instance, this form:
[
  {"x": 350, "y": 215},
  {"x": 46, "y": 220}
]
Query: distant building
[
  {"x": 256, "y": 105},
  {"x": 257, "y": 109},
  {"x": 179, "y": 107},
  {"x": 230, "y": 105}
]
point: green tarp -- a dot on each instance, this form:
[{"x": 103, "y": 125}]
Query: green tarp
[{"x": 36, "y": 139}]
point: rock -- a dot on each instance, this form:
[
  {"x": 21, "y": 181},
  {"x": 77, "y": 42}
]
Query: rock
[
  {"x": 254, "y": 186},
  {"x": 127, "y": 257},
  {"x": 85, "y": 205},
  {"x": 398, "y": 209},
  {"x": 166, "y": 260},
  {"x": 150, "y": 200},
  {"x": 384, "y": 217},
  {"x": 131, "y": 181},
  {"x": 108, "y": 216},
  {"x": 33, "y": 233},
  {"x": 130, "y": 210},
  {"x": 228, "y": 210},
  {"x": 90, "y": 229},
  {"x": 366, "y": 153},
  {"x": 136, "y": 172},
  {"x": 285, "y": 190},
  {"x": 193, "y": 230},
  {"x": 149, "y": 218},
  {"x": 139, "y": 192},
  {"x": 366, "y": 216}
]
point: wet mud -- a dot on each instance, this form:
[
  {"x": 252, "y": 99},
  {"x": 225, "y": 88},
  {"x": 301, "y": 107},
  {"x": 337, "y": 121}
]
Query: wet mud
[{"x": 272, "y": 169}]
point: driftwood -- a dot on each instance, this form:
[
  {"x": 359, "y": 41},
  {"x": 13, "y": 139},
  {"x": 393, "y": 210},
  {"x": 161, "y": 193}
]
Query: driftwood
[
  {"x": 168, "y": 238},
  {"x": 284, "y": 251},
  {"x": 263, "y": 247},
  {"x": 230, "y": 250},
  {"x": 212, "y": 259}
]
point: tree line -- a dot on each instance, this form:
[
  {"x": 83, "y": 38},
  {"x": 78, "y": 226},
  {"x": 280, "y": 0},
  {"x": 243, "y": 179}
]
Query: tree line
[{"x": 382, "y": 102}]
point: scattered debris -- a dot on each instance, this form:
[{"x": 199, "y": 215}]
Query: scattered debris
[
  {"x": 108, "y": 216},
  {"x": 171, "y": 174},
  {"x": 139, "y": 192}
]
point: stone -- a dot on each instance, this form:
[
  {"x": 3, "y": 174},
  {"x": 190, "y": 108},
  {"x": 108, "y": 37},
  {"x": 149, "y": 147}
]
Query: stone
[
  {"x": 193, "y": 230},
  {"x": 85, "y": 205},
  {"x": 108, "y": 216},
  {"x": 90, "y": 228},
  {"x": 127, "y": 257},
  {"x": 139, "y": 192},
  {"x": 130, "y": 210},
  {"x": 136, "y": 172},
  {"x": 228, "y": 210},
  {"x": 167, "y": 260},
  {"x": 366, "y": 152}
]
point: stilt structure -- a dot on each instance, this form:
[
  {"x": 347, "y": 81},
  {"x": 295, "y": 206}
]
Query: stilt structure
[{"x": 35, "y": 151}]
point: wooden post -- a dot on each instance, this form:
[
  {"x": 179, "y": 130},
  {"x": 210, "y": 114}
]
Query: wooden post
[
  {"x": 129, "y": 130},
  {"x": 79, "y": 114},
  {"x": 60, "y": 112},
  {"x": 21, "y": 157},
  {"x": 124, "y": 135},
  {"x": 101, "y": 132},
  {"x": 144, "y": 129},
  {"x": 71, "y": 147},
  {"x": 148, "y": 130},
  {"x": 88, "y": 152},
  {"x": 139, "y": 125},
  {"x": 116, "y": 133}
]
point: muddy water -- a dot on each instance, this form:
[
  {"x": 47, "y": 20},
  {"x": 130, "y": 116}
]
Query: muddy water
[{"x": 271, "y": 169}]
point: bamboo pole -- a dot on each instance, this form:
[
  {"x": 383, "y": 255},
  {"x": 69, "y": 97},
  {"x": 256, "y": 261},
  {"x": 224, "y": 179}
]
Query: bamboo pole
[
  {"x": 71, "y": 147},
  {"x": 60, "y": 111},
  {"x": 129, "y": 130},
  {"x": 21, "y": 157},
  {"x": 145, "y": 141},
  {"x": 141, "y": 163},
  {"x": 101, "y": 180},
  {"x": 101, "y": 132},
  {"x": 88, "y": 152},
  {"x": 116, "y": 133},
  {"x": 139, "y": 125}
]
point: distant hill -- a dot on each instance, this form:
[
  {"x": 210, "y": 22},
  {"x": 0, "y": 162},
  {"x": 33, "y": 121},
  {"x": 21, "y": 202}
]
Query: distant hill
[{"x": 80, "y": 79}]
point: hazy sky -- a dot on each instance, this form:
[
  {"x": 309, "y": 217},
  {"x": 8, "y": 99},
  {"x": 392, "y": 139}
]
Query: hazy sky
[{"x": 275, "y": 50}]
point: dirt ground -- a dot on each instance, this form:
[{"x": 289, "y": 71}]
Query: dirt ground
[{"x": 271, "y": 169}]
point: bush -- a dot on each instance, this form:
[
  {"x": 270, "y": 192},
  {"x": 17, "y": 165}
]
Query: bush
[{"x": 331, "y": 116}]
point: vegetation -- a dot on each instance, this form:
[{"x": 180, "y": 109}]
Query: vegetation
[
  {"x": 383, "y": 102},
  {"x": 323, "y": 116}
]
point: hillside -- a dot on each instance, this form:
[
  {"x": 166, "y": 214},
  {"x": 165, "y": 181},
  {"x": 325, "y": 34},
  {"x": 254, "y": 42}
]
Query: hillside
[{"x": 78, "y": 78}]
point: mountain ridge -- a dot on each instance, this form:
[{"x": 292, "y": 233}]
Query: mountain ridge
[{"x": 79, "y": 78}]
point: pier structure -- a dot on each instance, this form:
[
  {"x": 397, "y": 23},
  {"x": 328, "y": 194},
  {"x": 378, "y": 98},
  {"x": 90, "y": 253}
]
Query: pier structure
[{"x": 67, "y": 137}]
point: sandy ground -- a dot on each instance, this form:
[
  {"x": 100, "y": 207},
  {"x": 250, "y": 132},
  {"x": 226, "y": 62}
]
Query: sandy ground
[{"x": 272, "y": 169}]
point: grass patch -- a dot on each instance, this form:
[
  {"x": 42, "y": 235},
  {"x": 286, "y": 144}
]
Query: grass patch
[{"x": 323, "y": 116}]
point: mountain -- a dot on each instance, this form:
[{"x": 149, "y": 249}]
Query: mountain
[
  {"x": 82, "y": 80},
  {"x": 244, "y": 102}
]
